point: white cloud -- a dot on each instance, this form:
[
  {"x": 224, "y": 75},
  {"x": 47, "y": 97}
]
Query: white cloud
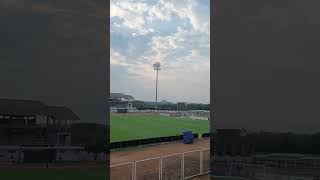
[
  {"x": 136, "y": 15},
  {"x": 184, "y": 54},
  {"x": 132, "y": 15},
  {"x": 162, "y": 46},
  {"x": 134, "y": 67},
  {"x": 117, "y": 59},
  {"x": 189, "y": 9},
  {"x": 198, "y": 16}
]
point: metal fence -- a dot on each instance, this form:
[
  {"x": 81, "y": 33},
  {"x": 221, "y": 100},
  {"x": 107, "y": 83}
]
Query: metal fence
[{"x": 174, "y": 166}]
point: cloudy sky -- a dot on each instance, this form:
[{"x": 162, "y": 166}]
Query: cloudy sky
[{"x": 175, "y": 33}]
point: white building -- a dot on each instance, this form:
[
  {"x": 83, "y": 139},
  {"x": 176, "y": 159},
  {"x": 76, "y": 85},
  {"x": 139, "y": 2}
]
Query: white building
[{"x": 121, "y": 103}]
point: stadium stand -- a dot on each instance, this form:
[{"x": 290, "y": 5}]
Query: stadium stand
[
  {"x": 121, "y": 103},
  {"x": 31, "y": 128}
]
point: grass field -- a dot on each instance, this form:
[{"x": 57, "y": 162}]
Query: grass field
[{"x": 130, "y": 127}]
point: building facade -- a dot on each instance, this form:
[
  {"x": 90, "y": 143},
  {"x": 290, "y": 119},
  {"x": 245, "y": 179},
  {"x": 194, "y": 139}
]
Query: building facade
[{"x": 121, "y": 103}]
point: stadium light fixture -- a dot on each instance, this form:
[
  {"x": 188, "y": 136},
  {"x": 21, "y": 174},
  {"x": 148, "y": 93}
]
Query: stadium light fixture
[{"x": 156, "y": 66}]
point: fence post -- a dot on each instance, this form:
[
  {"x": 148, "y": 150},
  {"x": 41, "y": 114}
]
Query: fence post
[
  {"x": 182, "y": 167},
  {"x": 201, "y": 162},
  {"x": 160, "y": 168},
  {"x": 133, "y": 174},
  {"x": 135, "y": 171}
]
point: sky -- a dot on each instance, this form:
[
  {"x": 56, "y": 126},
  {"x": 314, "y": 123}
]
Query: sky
[{"x": 174, "y": 33}]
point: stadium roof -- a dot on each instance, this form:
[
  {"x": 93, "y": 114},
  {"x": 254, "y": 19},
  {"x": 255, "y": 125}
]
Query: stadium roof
[
  {"x": 31, "y": 107},
  {"x": 21, "y": 107},
  {"x": 121, "y": 96},
  {"x": 60, "y": 113}
]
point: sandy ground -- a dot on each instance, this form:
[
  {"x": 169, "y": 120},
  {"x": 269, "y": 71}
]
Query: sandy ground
[
  {"x": 139, "y": 153},
  {"x": 149, "y": 170}
]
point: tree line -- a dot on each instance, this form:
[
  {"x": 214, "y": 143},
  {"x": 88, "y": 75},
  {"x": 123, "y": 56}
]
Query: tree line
[{"x": 142, "y": 105}]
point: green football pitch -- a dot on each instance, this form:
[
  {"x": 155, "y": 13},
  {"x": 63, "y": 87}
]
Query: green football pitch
[{"x": 130, "y": 127}]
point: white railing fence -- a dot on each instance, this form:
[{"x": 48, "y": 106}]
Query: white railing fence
[{"x": 174, "y": 166}]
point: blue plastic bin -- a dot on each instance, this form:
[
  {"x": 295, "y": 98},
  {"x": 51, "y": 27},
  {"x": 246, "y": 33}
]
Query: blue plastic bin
[{"x": 188, "y": 137}]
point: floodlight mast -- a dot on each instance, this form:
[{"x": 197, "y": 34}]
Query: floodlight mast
[{"x": 156, "y": 66}]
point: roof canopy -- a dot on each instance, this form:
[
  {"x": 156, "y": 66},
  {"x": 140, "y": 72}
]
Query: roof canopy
[
  {"x": 60, "y": 113},
  {"x": 20, "y": 107},
  {"x": 30, "y": 107},
  {"x": 121, "y": 96}
]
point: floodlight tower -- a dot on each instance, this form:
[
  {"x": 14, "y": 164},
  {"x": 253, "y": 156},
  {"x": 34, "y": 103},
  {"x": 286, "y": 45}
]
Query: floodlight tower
[{"x": 156, "y": 66}]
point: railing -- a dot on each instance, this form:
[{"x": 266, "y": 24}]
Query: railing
[{"x": 174, "y": 166}]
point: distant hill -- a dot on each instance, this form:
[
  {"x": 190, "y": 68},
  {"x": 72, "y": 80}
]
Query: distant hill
[
  {"x": 160, "y": 102},
  {"x": 165, "y": 102}
]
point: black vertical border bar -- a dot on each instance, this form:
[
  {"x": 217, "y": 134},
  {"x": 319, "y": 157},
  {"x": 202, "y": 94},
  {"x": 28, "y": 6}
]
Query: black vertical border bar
[
  {"x": 107, "y": 37},
  {"x": 212, "y": 81},
  {"x": 216, "y": 11}
]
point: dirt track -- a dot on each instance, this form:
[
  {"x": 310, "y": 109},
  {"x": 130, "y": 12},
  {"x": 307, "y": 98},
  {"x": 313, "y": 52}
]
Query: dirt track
[
  {"x": 171, "y": 166},
  {"x": 134, "y": 154}
]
